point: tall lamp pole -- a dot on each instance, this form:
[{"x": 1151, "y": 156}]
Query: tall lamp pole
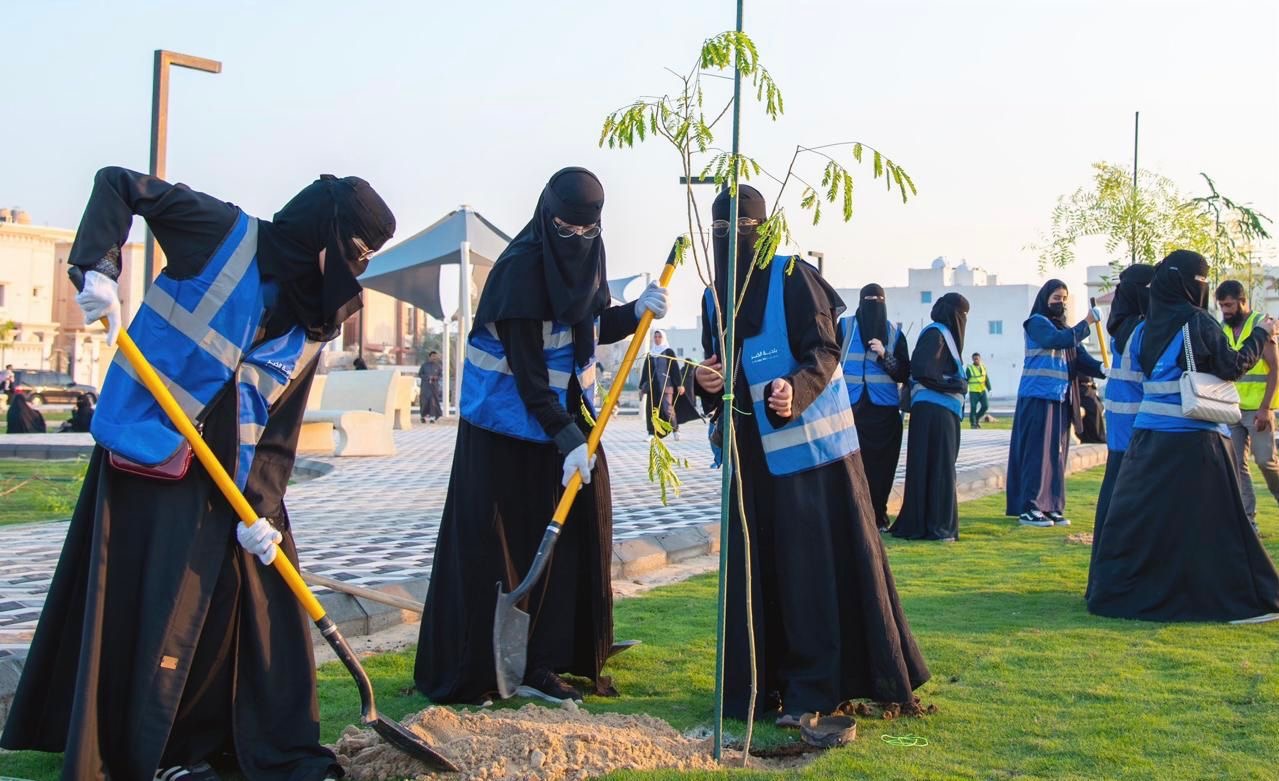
[{"x": 160, "y": 130}]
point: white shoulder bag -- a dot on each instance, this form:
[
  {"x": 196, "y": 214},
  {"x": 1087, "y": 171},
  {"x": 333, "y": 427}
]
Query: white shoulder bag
[{"x": 1206, "y": 396}]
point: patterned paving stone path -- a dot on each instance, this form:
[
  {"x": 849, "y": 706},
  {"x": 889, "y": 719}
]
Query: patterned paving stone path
[{"x": 374, "y": 520}]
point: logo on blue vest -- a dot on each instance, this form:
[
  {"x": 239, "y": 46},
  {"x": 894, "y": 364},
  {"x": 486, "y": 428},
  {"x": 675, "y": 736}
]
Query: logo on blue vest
[{"x": 764, "y": 355}]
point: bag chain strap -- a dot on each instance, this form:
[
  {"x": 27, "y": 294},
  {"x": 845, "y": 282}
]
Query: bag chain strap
[{"x": 1190, "y": 354}]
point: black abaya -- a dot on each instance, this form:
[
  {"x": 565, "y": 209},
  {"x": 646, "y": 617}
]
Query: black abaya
[
  {"x": 828, "y": 623},
  {"x": 22, "y": 418},
  {"x": 930, "y": 505},
  {"x": 1178, "y": 549},
  {"x": 501, "y": 497},
  {"x": 879, "y": 430}
]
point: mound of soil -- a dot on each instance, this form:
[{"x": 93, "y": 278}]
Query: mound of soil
[{"x": 532, "y": 743}]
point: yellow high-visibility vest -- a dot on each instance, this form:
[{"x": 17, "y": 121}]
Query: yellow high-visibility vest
[
  {"x": 1252, "y": 386},
  {"x": 977, "y": 379}
]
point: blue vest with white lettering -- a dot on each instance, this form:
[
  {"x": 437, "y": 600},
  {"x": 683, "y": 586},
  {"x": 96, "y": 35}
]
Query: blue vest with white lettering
[
  {"x": 954, "y": 402},
  {"x": 198, "y": 335},
  {"x": 1160, "y": 408},
  {"x": 1123, "y": 396},
  {"x": 1044, "y": 373},
  {"x": 862, "y": 370},
  {"x": 824, "y": 432},
  {"x": 489, "y": 397}
]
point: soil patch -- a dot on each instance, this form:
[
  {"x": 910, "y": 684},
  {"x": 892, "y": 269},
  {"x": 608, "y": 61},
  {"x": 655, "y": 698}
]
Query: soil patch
[{"x": 530, "y": 743}]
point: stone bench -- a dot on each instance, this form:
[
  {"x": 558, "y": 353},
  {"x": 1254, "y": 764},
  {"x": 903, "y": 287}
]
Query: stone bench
[{"x": 350, "y": 413}]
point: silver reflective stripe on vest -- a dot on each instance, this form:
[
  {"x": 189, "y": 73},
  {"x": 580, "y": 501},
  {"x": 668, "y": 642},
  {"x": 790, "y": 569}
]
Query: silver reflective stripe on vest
[
  {"x": 1051, "y": 373},
  {"x": 1252, "y": 378},
  {"x": 190, "y": 325},
  {"x": 189, "y": 404},
  {"x": 1157, "y": 408},
  {"x": 918, "y": 389},
  {"x": 251, "y": 432},
  {"x": 856, "y": 357},
  {"x": 1172, "y": 386},
  {"x": 228, "y": 279},
  {"x": 1123, "y": 407},
  {"x": 1040, "y": 352},
  {"x": 1124, "y": 375},
  {"x": 268, "y": 386},
  {"x": 490, "y": 362},
  {"x": 880, "y": 379},
  {"x": 809, "y": 432}
]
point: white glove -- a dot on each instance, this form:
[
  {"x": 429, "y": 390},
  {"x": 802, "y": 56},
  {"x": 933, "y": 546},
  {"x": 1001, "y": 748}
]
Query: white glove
[
  {"x": 652, "y": 299},
  {"x": 101, "y": 298},
  {"x": 260, "y": 539},
  {"x": 576, "y": 462}
]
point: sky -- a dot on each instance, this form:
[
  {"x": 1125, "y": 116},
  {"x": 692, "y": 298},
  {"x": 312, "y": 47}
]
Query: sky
[{"x": 995, "y": 108}]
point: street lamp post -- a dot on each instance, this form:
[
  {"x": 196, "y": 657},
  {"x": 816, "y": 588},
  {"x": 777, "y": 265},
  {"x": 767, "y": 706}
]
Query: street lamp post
[
  {"x": 821, "y": 262},
  {"x": 160, "y": 129}
]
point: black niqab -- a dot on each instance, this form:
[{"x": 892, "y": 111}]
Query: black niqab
[
  {"x": 1179, "y": 290},
  {"x": 951, "y": 310},
  {"x": 872, "y": 316},
  {"x": 1130, "y": 302},
  {"x": 543, "y": 276},
  {"x": 22, "y": 417},
  {"x": 82, "y": 416},
  {"x": 1041, "y": 302},
  {"x": 750, "y": 314},
  {"x": 327, "y": 215}
]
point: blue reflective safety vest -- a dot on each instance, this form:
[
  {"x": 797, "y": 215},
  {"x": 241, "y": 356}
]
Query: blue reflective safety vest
[
  {"x": 824, "y": 432},
  {"x": 862, "y": 370},
  {"x": 1044, "y": 373},
  {"x": 1123, "y": 396},
  {"x": 951, "y": 401},
  {"x": 489, "y": 397},
  {"x": 198, "y": 335},
  {"x": 1160, "y": 408}
]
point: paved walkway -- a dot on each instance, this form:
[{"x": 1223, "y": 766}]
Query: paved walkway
[{"x": 374, "y": 520}]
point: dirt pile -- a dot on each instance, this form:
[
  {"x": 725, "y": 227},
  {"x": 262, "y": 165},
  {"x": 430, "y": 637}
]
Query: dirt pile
[{"x": 526, "y": 744}]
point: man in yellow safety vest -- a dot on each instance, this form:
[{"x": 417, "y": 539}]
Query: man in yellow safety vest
[
  {"x": 1257, "y": 398},
  {"x": 978, "y": 387}
]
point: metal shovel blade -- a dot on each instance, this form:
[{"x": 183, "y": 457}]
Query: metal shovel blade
[
  {"x": 395, "y": 734},
  {"x": 510, "y": 642}
]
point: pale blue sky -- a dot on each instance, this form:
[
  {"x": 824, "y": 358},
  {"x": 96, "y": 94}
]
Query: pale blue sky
[{"x": 995, "y": 108}]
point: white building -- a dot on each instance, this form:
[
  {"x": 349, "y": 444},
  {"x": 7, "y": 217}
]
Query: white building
[{"x": 995, "y": 316}]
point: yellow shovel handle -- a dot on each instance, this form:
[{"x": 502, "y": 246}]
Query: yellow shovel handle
[
  {"x": 610, "y": 403},
  {"x": 214, "y": 467},
  {"x": 1101, "y": 340}
]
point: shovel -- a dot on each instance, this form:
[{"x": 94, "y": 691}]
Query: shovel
[
  {"x": 390, "y": 731},
  {"x": 510, "y": 624}
]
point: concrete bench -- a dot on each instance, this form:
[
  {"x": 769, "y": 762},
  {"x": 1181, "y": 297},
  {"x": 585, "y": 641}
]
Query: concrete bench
[
  {"x": 404, "y": 388},
  {"x": 356, "y": 410}
]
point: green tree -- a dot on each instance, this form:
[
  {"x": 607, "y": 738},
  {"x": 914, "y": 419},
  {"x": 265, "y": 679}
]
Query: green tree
[
  {"x": 1237, "y": 228},
  {"x": 1138, "y": 225}
]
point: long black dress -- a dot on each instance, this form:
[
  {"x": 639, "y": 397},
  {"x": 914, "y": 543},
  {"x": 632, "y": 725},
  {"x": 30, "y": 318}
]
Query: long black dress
[
  {"x": 1178, "y": 545},
  {"x": 660, "y": 373},
  {"x": 879, "y": 430},
  {"x": 501, "y": 496},
  {"x": 503, "y": 490},
  {"x": 930, "y": 504},
  {"x": 161, "y": 641},
  {"x": 828, "y": 623},
  {"x": 22, "y": 418}
]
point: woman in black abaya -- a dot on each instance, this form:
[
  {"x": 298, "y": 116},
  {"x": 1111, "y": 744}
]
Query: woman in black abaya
[
  {"x": 1178, "y": 545},
  {"x": 879, "y": 417},
  {"x": 828, "y": 623},
  {"x": 930, "y": 505},
  {"x": 517, "y": 443},
  {"x": 22, "y": 418},
  {"x": 1123, "y": 382}
]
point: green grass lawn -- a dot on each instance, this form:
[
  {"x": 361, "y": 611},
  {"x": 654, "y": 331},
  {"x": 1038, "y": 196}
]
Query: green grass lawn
[
  {"x": 1029, "y": 685},
  {"x": 35, "y": 490}
]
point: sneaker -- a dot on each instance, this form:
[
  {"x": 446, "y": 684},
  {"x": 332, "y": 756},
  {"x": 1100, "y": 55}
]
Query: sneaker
[
  {"x": 549, "y": 686},
  {"x": 1058, "y": 519},
  {"x": 198, "y": 772},
  {"x": 1033, "y": 518}
]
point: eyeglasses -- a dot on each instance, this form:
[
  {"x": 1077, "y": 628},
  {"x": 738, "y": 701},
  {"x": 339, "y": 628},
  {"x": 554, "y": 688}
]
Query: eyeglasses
[
  {"x": 362, "y": 249},
  {"x": 744, "y": 225},
  {"x": 567, "y": 231}
]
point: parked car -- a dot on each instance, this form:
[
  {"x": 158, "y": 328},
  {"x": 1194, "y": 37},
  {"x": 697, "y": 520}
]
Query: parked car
[{"x": 43, "y": 387}]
